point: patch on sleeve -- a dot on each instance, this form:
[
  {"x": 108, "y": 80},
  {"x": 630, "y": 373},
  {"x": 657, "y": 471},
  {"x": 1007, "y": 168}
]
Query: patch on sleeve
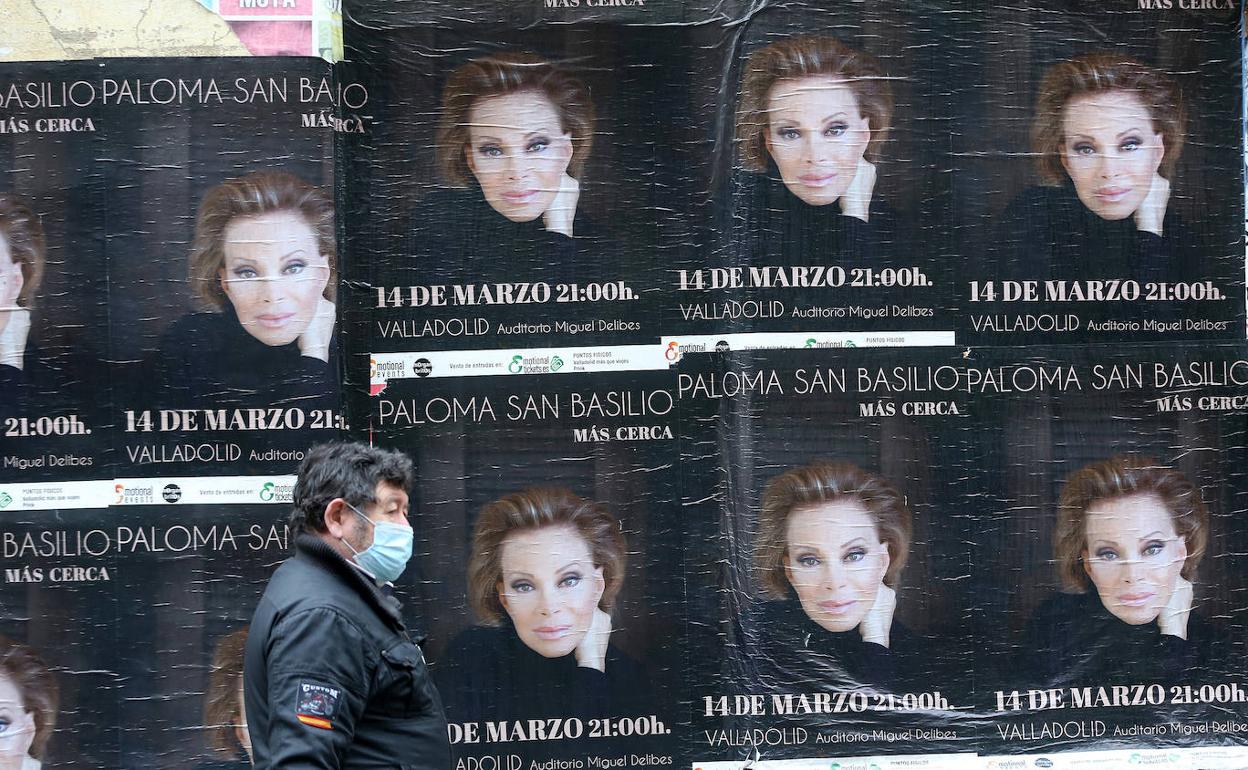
[{"x": 317, "y": 704}]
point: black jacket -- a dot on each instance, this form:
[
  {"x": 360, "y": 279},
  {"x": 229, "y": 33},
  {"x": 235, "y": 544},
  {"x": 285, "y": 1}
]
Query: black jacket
[
  {"x": 1047, "y": 233},
  {"x": 489, "y": 674},
  {"x": 778, "y": 228},
  {"x": 1073, "y": 641},
  {"x": 332, "y": 677},
  {"x": 791, "y": 653},
  {"x": 209, "y": 361}
]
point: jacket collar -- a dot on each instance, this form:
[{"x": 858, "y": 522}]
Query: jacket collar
[{"x": 313, "y": 549}]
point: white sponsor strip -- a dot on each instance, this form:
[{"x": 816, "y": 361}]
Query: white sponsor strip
[
  {"x": 1125, "y": 759},
  {"x": 58, "y": 494},
  {"x": 384, "y": 367},
  {"x": 892, "y": 762},
  {"x": 674, "y": 348},
  {"x": 1218, "y": 758},
  {"x": 198, "y": 490}
]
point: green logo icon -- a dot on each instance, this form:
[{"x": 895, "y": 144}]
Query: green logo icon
[
  {"x": 556, "y": 363},
  {"x": 515, "y": 367},
  {"x": 850, "y": 344},
  {"x": 810, "y": 343},
  {"x": 266, "y": 492},
  {"x": 5, "y": 499}
]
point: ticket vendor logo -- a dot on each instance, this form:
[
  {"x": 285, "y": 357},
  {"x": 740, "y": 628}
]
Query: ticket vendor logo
[
  {"x": 422, "y": 367},
  {"x": 1044, "y": 762},
  {"x": 722, "y": 346},
  {"x": 810, "y": 342},
  {"x": 120, "y": 491},
  {"x": 266, "y": 491},
  {"x": 171, "y": 493},
  {"x": 556, "y": 363},
  {"x": 517, "y": 365},
  {"x": 673, "y": 351},
  {"x": 5, "y": 499}
]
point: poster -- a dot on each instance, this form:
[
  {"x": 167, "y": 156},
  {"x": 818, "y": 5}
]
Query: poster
[
  {"x": 1107, "y": 562},
  {"x": 826, "y": 494},
  {"x": 546, "y": 578}
]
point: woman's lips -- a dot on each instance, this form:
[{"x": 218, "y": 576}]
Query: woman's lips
[
  {"x": 837, "y": 608},
  {"x": 521, "y": 197},
  {"x": 1135, "y": 600},
  {"x": 273, "y": 320},
  {"x": 552, "y": 632},
  {"x": 818, "y": 180},
  {"x": 1112, "y": 194}
]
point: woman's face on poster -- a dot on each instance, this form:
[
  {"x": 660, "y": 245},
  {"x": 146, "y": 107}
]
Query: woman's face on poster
[
  {"x": 17, "y": 725},
  {"x": 1110, "y": 151},
  {"x": 1133, "y": 555},
  {"x": 816, "y": 135},
  {"x": 518, "y": 153},
  {"x": 550, "y": 588},
  {"x": 274, "y": 275},
  {"x": 835, "y": 561}
]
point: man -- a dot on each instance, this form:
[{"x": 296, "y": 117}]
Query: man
[{"x": 332, "y": 678}]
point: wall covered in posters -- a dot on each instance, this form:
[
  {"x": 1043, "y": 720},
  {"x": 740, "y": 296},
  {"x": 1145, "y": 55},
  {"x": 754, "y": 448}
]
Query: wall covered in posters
[{"x": 875, "y": 375}]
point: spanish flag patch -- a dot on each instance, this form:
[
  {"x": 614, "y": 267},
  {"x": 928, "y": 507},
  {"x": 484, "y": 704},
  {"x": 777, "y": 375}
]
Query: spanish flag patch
[{"x": 312, "y": 721}]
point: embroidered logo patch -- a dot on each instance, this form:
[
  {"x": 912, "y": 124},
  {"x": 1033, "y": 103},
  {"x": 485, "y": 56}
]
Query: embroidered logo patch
[{"x": 317, "y": 704}]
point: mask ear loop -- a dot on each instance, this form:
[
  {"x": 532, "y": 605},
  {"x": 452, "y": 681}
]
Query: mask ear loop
[{"x": 361, "y": 515}]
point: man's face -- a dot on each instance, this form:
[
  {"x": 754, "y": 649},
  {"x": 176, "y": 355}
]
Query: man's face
[{"x": 390, "y": 504}]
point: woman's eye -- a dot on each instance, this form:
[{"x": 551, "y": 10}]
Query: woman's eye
[
  {"x": 855, "y": 555},
  {"x": 836, "y": 129},
  {"x": 294, "y": 268},
  {"x": 570, "y": 581},
  {"x": 4, "y": 725},
  {"x": 808, "y": 561},
  {"x": 538, "y": 146},
  {"x": 1130, "y": 145},
  {"x": 245, "y": 272},
  {"x": 1152, "y": 549},
  {"x": 1084, "y": 149},
  {"x": 1106, "y": 555},
  {"x": 522, "y": 588},
  {"x": 788, "y": 133},
  {"x": 490, "y": 150}
]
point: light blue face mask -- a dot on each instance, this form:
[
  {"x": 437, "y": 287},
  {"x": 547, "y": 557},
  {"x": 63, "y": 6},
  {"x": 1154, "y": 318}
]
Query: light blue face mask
[{"x": 387, "y": 557}]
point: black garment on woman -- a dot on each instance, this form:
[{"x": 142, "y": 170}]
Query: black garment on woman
[
  {"x": 778, "y": 228},
  {"x": 1072, "y": 640},
  {"x": 490, "y": 674},
  {"x": 1048, "y": 234},
  {"x": 789, "y": 652},
  {"x": 209, "y": 361}
]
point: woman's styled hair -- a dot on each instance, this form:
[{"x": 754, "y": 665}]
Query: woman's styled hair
[
  {"x": 222, "y": 713},
  {"x": 1117, "y": 477},
  {"x": 509, "y": 73},
  {"x": 799, "y": 57},
  {"x": 38, "y": 688},
  {"x": 256, "y": 194},
  {"x": 1098, "y": 73},
  {"x": 823, "y": 482},
  {"x": 27, "y": 248},
  {"x": 533, "y": 509}
]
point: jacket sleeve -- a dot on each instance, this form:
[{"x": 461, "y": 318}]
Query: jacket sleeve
[{"x": 319, "y": 672}]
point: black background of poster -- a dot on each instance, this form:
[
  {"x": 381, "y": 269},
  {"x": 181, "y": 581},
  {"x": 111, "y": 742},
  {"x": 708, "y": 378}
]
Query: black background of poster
[
  {"x": 1026, "y": 445},
  {"x": 731, "y": 448}
]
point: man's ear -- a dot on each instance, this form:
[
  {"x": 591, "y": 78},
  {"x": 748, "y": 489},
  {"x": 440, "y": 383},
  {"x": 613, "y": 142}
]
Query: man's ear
[{"x": 336, "y": 518}]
